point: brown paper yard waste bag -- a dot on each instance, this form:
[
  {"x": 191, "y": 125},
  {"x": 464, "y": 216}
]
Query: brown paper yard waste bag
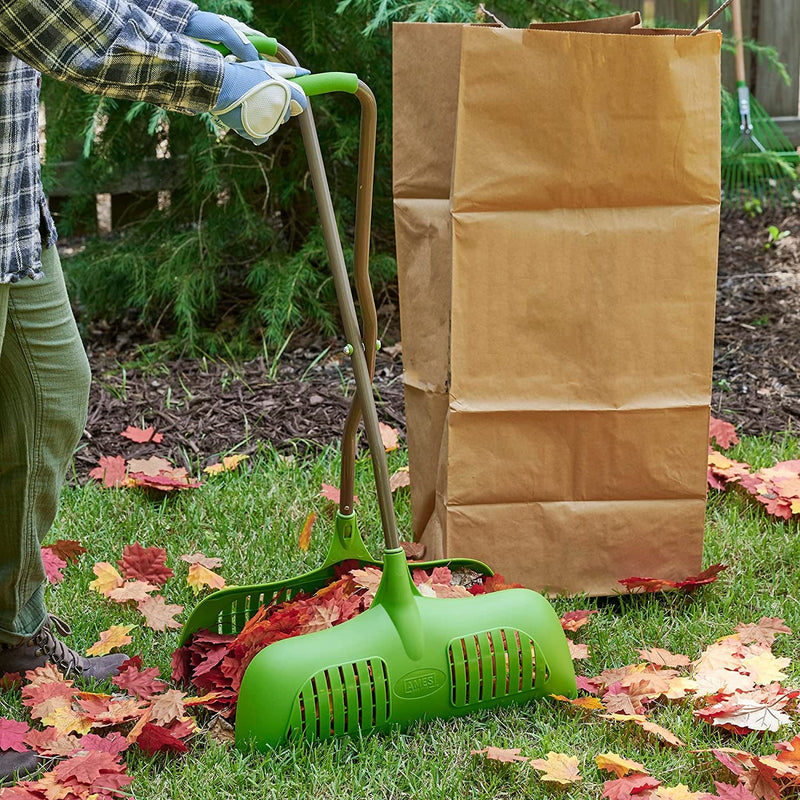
[{"x": 557, "y": 211}]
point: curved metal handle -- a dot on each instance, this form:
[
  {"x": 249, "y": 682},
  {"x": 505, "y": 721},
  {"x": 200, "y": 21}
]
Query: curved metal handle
[{"x": 361, "y": 367}]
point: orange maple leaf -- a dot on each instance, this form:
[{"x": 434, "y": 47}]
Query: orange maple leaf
[
  {"x": 305, "y": 535},
  {"x": 142, "y": 435},
  {"x": 620, "y": 766},
  {"x": 115, "y": 636}
]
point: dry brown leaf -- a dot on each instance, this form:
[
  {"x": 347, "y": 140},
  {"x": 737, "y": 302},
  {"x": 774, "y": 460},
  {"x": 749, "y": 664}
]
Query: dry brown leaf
[{"x": 158, "y": 614}]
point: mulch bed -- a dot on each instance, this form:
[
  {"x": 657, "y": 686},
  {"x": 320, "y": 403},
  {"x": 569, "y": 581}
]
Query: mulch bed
[{"x": 204, "y": 409}]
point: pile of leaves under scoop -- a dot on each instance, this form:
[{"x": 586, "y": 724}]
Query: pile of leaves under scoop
[{"x": 216, "y": 662}]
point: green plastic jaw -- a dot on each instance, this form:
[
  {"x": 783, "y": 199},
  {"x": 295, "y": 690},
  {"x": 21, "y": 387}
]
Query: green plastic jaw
[{"x": 408, "y": 657}]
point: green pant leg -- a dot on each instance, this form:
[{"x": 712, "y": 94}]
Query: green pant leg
[{"x": 44, "y": 389}]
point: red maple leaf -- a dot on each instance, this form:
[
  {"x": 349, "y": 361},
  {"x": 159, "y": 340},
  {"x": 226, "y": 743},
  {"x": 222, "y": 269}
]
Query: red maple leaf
[
  {"x": 143, "y": 684},
  {"x": 728, "y": 792},
  {"x": 140, "y": 436},
  {"x": 497, "y": 583},
  {"x": 332, "y": 493},
  {"x": 114, "y": 743},
  {"x": 723, "y": 432},
  {"x": 148, "y": 564},
  {"x": 707, "y": 576},
  {"x": 90, "y": 768},
  {"x": 155, "y": 738},
  {"x": 110, "y": 470},
  {"x": 12, "y": 735},
  {"x": 10, "y": 680},
  {"x": 52, "y": 565},
  {"x": 628, "y": 787}
]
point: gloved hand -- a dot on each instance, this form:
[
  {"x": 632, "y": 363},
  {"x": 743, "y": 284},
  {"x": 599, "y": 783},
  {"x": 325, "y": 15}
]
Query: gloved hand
[
  {"x": 256, "y": 98},
  {"x": 219, "y": 29}
]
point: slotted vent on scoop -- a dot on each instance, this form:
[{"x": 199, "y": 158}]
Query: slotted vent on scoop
[
  {"x": 343, "y": 699},
  {"x": 492, "y": 664}
]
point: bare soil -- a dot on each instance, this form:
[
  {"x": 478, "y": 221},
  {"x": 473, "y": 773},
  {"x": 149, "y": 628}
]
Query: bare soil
[{"x": 206, "y": 408}]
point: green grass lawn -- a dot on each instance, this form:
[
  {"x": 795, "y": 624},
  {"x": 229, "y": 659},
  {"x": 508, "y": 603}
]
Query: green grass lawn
[{"x": 252, "y": 522}]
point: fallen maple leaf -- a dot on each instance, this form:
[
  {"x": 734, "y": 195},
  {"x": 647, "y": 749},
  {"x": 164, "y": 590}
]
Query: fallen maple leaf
[
  {"x": 629, "y": 787},
  {"x": 332, "y": 493},
  {"x": 557, "y": 768},
  {"x": 107, "y": 578},
  {"x": 750, "y": 717},
  {"x": 663, "y": 658},
  {"x": 200, "y": 558},
  {"x": 228, "y": 464},
  {"x": 726, "y": 791},
  {"x": 200, "y": 576},
  {"x": 586, "y": 703},
  {"x": 723, "y": 432},
  {"x": 155, "y": 738},
  {"x": 577, "y": 651},
  {"x": 415, "y": 551},
  {"x": 142, "y": 435},
  {"x": 400, "y": 479},
  {"x": 167, "y": 707},
  {"x": 305, "y": 534},
  {"x": 620, "y": 766},
  {"x": 506, "y": 755},
  {"x": 158, "y": 614},
  {"x": 148, "y": 564},
  {"x": 52, "y": 565},
  {"x": 114, "y": 743},
  {"x": 662, "y": 584},
  {"x": 144, "y": 684},
  {"x": 12, "y": 735},
  {"x": 389, "y": 437},
  {"x": 765, "y": 668},
  {"x": 573, "y": 620},
  {"x": 115, "y": 636},
  {"x": 131, "y": 591},
  {"x": 68, "y": 550},
  {"x": 763, "y": 632},
  {"x": 111, "y": 471},
  {"x": 679, "y": 792},
  {"x": 49, "y": 742},
  {"x": 647, "y": 725},
  {"x": 159, "y": 474},
  {"x": 97, "y": 770}
]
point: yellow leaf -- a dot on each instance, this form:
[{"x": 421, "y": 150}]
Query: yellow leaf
[
  {"x": 65, "y": 720},
  {"x": 200, "y": 576},
  {"x": 765, "y": 668},
  {"x": 795, "y": 506},
  {"x": 231, "y": 462},
  {"x": 620, "y": 766},
  {"x": 678, "y": 688},
  {"x": 305, "y": 534},
  {"x": 587, "y": 703},
  {"x": 557, "y": 768},
  {"x": 107, "y": 578},
  {"x": 214, "y": 469},
  {"x": 679, "y": 792},
  {"x": 115, "y": 636}
]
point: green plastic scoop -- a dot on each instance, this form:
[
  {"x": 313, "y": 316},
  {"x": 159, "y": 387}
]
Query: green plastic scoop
[{"x": 408, "y": 657}]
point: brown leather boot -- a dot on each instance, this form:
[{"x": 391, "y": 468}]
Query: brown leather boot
[
  {"x": 16, "y": 766},
  {"x": 44, "y": 647}
]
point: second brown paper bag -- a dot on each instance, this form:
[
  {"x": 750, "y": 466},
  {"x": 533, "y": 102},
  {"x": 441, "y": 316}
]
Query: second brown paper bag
[{"x": 557, "y": 202}]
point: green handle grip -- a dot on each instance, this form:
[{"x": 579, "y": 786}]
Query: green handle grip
[
  {"x": 265, "y": 45},
  {"x": 326, "y": 82}
]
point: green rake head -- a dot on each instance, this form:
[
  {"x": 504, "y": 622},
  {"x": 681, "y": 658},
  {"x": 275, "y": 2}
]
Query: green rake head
[{"x": 407, "y": 658}]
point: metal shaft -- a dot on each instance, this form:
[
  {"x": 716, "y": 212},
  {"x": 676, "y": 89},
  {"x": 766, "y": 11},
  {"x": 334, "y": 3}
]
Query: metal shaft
[
  {"x": 316, "y": 167},
  {"x": 366, "y": 300}
]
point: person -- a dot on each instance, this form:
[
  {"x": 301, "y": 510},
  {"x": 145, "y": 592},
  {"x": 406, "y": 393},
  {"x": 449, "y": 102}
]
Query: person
[{"x": 150, "y": 50}]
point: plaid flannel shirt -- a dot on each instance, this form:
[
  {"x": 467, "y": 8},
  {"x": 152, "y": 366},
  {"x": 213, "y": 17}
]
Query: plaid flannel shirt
[{"x": 130, "y": 50}]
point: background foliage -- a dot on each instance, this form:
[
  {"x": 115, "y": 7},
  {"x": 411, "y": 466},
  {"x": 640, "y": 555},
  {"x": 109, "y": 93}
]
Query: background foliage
[{"x": 237, "y": 260}]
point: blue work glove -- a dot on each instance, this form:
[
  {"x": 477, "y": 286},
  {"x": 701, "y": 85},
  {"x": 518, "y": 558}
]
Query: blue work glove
[
  {"x": 256, "y": 98},
  {"x": 219, "y": 29}
]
